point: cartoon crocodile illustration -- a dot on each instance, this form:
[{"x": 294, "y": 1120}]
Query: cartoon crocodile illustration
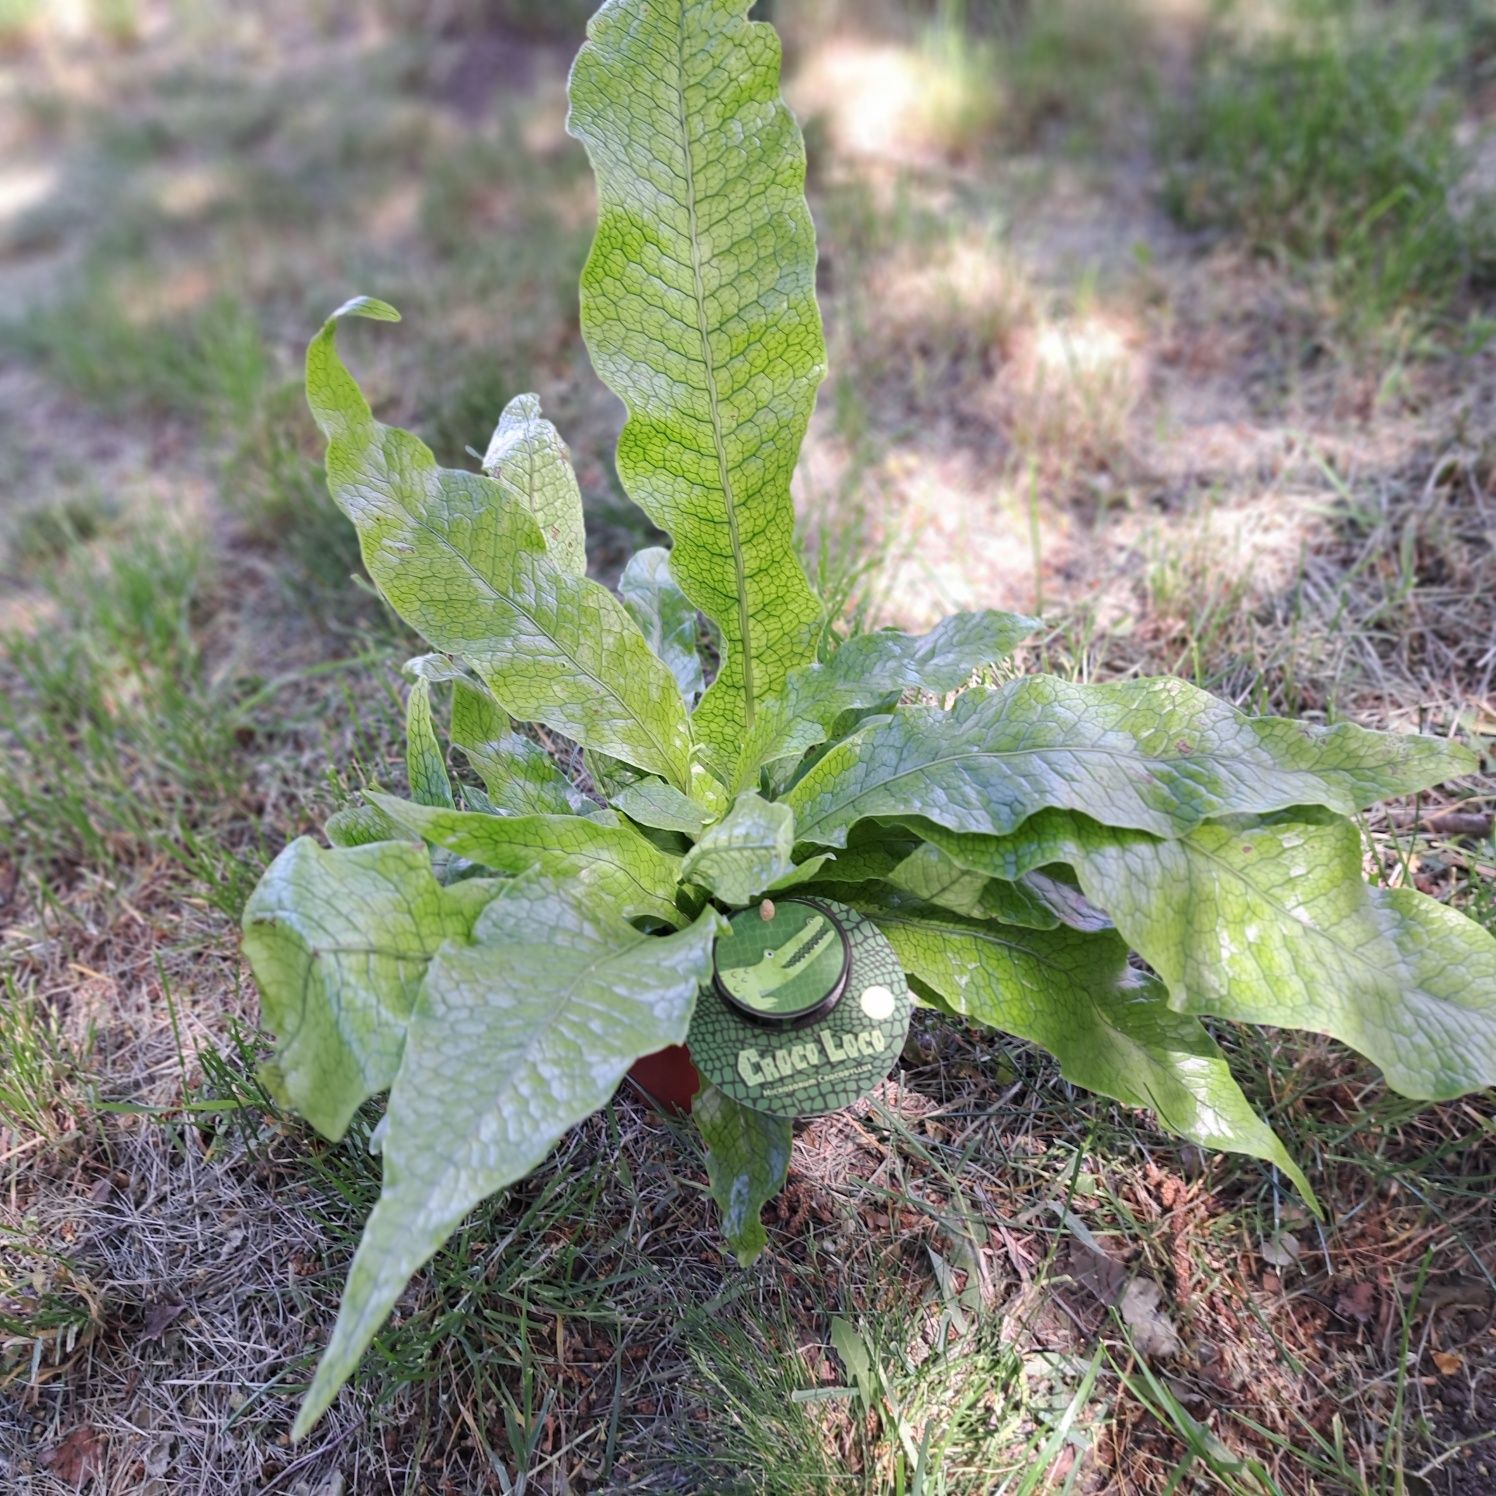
[{"x": 768, "y": 984}]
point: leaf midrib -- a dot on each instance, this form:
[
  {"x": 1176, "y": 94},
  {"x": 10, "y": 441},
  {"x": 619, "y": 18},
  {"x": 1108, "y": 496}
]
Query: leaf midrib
[{"x": 740, "y": 573}]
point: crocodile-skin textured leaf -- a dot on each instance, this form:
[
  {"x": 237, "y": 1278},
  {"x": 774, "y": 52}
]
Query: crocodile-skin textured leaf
[
  {"x": 338, "y": 942},
  {"x": 358, "y": 826},
  {"x": 425, "y": 763},
  {"x": 528, "y": 459},
  {"x": 1073, "y": 995},
  {"x": 521, "y": 778},
  {"x": 515, "y": 1038},
  {"x": 699, "y": 311},
  {"x": 873, "y": 668},
  {"x": 613, "y": 863},
  {"x": 1153, "y": 755},
  {"x": 665, "y": 615},
  {"x": 1273, "y": 924},
  {"x": 931, "y": 876},
  {"x": 747, "y": 1159},
  {"x": 746, "y": 852},
  {"x": 466, "y": 565},
  {"x": 652, "y": 802}
]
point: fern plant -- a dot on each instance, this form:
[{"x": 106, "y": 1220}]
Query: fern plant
[{"x": 496, "y": 959}]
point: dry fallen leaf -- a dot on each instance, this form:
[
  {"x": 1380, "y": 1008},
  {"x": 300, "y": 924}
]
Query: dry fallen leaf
[
  {"x": 1153, "y": 1332},
  {"x": 1102, "y": 1275},
  {"x": 1358, "y": 1302},
  {"x": 1448, "y": 1362},
  {"x": 75, "y": 1461},
  {"x": 157, "y": 1318},
  {"x": 1281, "y": 1250}
]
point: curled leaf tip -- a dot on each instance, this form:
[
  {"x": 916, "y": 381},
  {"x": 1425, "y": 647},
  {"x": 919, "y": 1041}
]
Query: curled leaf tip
[{"x": 366, "y": 306}]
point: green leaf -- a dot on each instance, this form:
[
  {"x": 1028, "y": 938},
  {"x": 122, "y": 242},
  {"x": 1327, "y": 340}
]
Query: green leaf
[
  {"x": 338, "y": 942},
  {"x": 466, "y": 565},
  {"x": 1274, "y": 924},
  {"x": 521, "y": 778},
  {"x": 516, "y": 1038},
  {"x": 869, "y": 670},
  {"x": 1071, "y": 993},
  {"x": 929, "y": 875},
  {"x": 1154, "y": 755},
  {"x": 425, "y": 763},
  {"x": 435, "y": 669},
  {"x": 747, "y": 1159},
  {"x": 745, "y": 852},
  {"x": 804, "y": 872},
  {"x": 652, "y": 802},
  {"x": 528, "y": 459},
  {"x": 699, "y": 311},
  {"x": 613, "y": 863},
  {"x": 358, "y": 825},
  {"x": 665, "y": 615}
]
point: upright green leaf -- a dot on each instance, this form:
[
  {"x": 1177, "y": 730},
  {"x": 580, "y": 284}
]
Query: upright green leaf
[
  {"x": 466, "y": 564},
  {"x": 521, "y": 778},
  {"x": 1154, "y": 755},
  {"x": 699, "y": 311},
  {"x": 747, "y": 1159},
  {"x": 528, "y": 459},
  {"x": 665, "y": 615},
  {"x": 516, "y": 1038},
  {"x": 425, "y": 763},
  {"x": 338, "y": 942},
  {"x": 612, "y": 863},
  {"x": 1073, "y": 994},
  {"x": 1274, "y": 924},
  {"x": 746, "y": 852},
  {"x": 874, "y": 668}
]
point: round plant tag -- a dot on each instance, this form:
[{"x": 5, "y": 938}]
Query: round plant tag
[{"x": 807, "y": 1010}]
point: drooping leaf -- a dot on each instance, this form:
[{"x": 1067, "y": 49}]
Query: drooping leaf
[
  {"x": 652, "y": 802},
  {"x": 665, "y": 615},
  {"x": 873, "y": 668},
  {"x": 521, "y": 778},
  {"x": 466, "y": 564},
  {"x": 425, "y": 763},
  {"x": 929, "y": 875},
  {"x": 747, "y": 1159},
  {"x": 1072, "y": 994},
  {"x": 516, "y": 1038},
  {"x": 1271, "y": 922},
  {"x": 528, "y": 459},
  {"x": 613, "y": 863},
  {"x": 1274, "y": 924},
  {"x": 699, "y": 312},
  {"x": 1154, "y": 755},
  {"x": 746, "y": 852},
  {"x": 338, "y": 942}
]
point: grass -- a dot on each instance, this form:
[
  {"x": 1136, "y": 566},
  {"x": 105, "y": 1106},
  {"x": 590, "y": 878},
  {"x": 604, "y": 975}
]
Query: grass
[
  {"x": 1040, "y": 389},
  {"x": 1334, "y": 142},
  {"x": 118, "y": 356}
]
